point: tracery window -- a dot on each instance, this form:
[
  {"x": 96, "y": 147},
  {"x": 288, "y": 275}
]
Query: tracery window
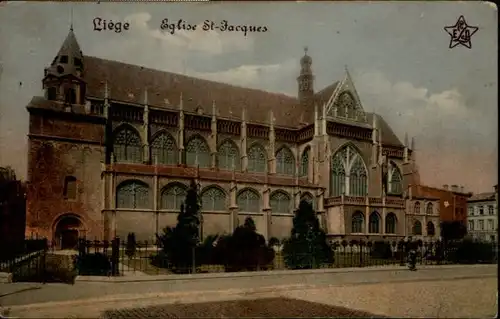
[
  {"x": 345, "y": 105},
  {"x": 349, "y": 160},
  {"x": 417, "y": 228},
  {"x": 357, "y": 222},
  {"x": 257, "y": 160},
  {"x": 198, "y": 152},
  {"x": 395, "y": 180},
  {"x": 173, "y": 196},
  {"x": 127, "y": 146},
  {"x": 285, "y": 162},
  {"x": 308, "y": 198},
  {"x": 213, "y": 199},
  {"x": 374, "y": 223},
  {"x": 228, "y": 156},
  {"x": 429, "y": 209},
  {"x": 304, "y": 163},
  {"x": 280, "y": 202},
  {"x": 248, "y": 201},
  {"x": 390, "y": 223},
  {"x": 416, "y": 208},
  {"x": 164, "y": 149},
  {"x": 132, "y": 194}
]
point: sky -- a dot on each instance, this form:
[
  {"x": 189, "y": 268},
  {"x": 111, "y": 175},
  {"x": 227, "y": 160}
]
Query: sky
[{"x": 397, "y": 54}]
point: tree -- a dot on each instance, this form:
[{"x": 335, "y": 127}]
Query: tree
[
  {"x": 131, "y": 245},
  {"x": 307, "y": 246}
]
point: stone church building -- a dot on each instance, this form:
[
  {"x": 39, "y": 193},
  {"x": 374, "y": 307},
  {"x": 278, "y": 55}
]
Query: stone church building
[{"x": 113, "y": 147}]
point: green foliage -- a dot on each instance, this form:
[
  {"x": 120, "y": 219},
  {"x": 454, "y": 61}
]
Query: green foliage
[
  {"x": 273, "y": 241},
  {"x": 131, "y": 245},
  {"x": 307, "y": 246},
  {"x": 471, "y": 252}
]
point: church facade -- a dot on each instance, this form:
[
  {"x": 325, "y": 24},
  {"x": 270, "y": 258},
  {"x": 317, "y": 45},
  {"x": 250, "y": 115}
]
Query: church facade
[{"x": 113, "y": 148}]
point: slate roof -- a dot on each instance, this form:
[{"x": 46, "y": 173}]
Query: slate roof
[{"x": 490, "y": 196}]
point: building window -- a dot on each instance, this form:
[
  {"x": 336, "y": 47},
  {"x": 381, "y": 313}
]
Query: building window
[
  {"x": 357, "y": 178},
  {"x": 78, "y": 62},
  {"x": 390, "y": 223},
  {"x": 308, "y": 198},
  {"x": 416, "y": 208},
  {"x": 358, "y": 222},
  {"x": 63, "y": 59},
  {"x": 417, "y": 228},
  {"x": 491, "y": 210},
  {"x": 280, "y": 202},
  {"x": 471, "y": 225},
  {"x": 395, "y": 180},
  {"x": 431, "y": 230},
  {"x": 164, "y": 150},
  {"x": 304, "y": 163},
  {"x": 481, "y": 210},
  {"x": 490, "y": 224},
  {"x": 132, "y": 194},
  {"x": 70, "y": 96},
  {"x": 348, "y": 159},
  {"x": 338, "y": 177},
  {"x": 173, "y": 196},
  {"x": 248, "y": 201},
  {"x": 69, "y": 191},
  {"x": 257, "y": 161},
  {"x": 198, "y": 152},
  {"x": 228, "y": 156},
  {"x": 213, "y": 199},
  {"x": 471, "y": 211},
  {"x": 429, "y": 209},
  {"x": 374, "y": 223},
  {"x": 127, "y": 146},
  {"x": 285, "y": 162},
  {"x": 52, "y": 94},
  {"x": 481, "y": 224}
]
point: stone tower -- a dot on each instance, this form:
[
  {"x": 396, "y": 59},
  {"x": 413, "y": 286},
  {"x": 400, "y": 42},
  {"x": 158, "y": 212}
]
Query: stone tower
[{"x": 306, "y": 81}]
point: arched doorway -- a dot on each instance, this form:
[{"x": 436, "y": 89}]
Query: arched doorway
[{"x": 68, "y": 228}]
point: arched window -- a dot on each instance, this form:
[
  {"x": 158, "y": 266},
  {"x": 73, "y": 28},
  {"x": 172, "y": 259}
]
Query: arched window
[
  {"x": 308, "y": 198},
  {"x": 69, "y": 191},
  {"x": 228, "y": 156},
  {"x": 347, "y": 159},
  {"x": 198, "y": 152},
  {"x": 358, "y": 222},
  {"x": 52, "y": 94},
  {"x": 431, "y": 231},
  {"x": 417, "y": 228},
  {"x": 257, "y": 160},
  {"x": 127, "y": 146},
  {"x": 280, "y": 202},
  {"x": 248, "y": 201},
  {"x": 345, "y": 104},
  {"x": 429, "y": 209},
  {"x": 173, "y": 196},
  {"x": 164, "y": 150},
  {"x": 285, "y": 162},
  {"x": 304, "y": 163},
  {"x": 395, "y": 180},
  {"x": 390, "y": 223},
  {"x": 374, "y": 223},
  {"x": 132, "y": 194},
  {"x": 213, "y": 199},
  {"x": 416, "y": 208}
]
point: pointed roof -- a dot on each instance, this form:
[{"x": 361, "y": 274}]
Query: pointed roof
[{"x": 70, "y": 46}]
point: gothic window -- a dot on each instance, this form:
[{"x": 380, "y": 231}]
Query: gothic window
[
  {"x": 431, "y": 231},
  {"x": 257, "y": 161},
  {"x": 374, "y": 223},
  {"x": 304, "y": 163},
  {"x": 429, "y": 209},
  {"x": 127, "y": 146},
  {"x": 395, "y": 180},
  {"x": 280, "y": 202},
  {"x": 173, "y": 196},
  {"x": 345, "y": 104},
  {"x": 198, "y": 152},
  {"x": 308, "y": 198},
  {"x": 213, "y": 199},
  {"x": 417, "y": 228},
  {"x": 70, "y": 96},
  {"x": 132, "y": 194},
  {"x": 357, "y": 222},
  {"x": 248, "y": 201},
  {"x": 416, "y": 208},
  {"x": 52, "y": 94},
  {"x": 285, "y": 162},
  {"x": 228, "y": 156},
  {"x": 164, "y": 150},
  {"x": 390, "y": 223},
  {"x": 69, "y": 191},
  {"x": 347, "y": 159}
]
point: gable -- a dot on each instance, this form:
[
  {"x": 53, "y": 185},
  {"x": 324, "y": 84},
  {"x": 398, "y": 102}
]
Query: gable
[{"x": 344, "y": 102}]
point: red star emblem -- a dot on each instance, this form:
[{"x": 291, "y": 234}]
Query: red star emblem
[{"x": 460, "y": 33}]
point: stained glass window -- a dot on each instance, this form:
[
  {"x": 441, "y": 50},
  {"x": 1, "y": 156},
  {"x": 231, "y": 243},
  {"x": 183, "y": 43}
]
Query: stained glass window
[
  {"x": 429, "y": 209},
  {"x": 416, "y": 208},
  {"x": 390, "y": 223},
  {"x": 348, "y": 158},
  {"x": 132, "y": 194},
  {"x": 164, "y": 149},
  {"x": 198, "y": 152},
  {"x": 374, "y": 223},
  {"x": 248, "y": 201},
  {"x": 304, "y": 163},
  {"x": 280, "y": 202},
  {"x": 357, "y": 178},
  {"x": 395, "y": 181},
  {"x": 257, "y": 160},
  {"x": 338, "y": 176},
  {"x": 285, "y": 162},
  {"x": 358, "y": 222},
  {"x": 431, "y": 231},
  {"x": 173, "y": 196},
  {"x": 228, "y": 156},
  {"x": 213, "y": 199},
  {"x": 127, "y": 146},
  {"x": 417, "y": 228}
]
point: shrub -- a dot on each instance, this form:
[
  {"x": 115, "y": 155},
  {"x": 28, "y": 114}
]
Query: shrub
[
  {"x": 381, "y": 249},
  {"x": 96, "y": 264},
  {"x": 131, "y": 245}
]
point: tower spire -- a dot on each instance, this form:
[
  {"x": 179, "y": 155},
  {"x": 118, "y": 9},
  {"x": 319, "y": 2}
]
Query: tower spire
[{"x": 71, "y": 19}]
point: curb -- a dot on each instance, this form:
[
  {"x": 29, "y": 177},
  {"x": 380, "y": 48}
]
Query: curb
[{"x": 147, "y": 278}]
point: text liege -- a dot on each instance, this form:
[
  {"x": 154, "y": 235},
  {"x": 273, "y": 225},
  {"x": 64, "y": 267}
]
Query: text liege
[{"x": 110, "y": 25}]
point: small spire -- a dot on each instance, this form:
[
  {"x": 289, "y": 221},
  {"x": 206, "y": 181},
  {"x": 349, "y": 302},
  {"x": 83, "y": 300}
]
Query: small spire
[
  {"x": 106, "y": 90},
  {"x": 214, "y": 108},
  {"x": 146, "y": 96},
  {"x": 305, "y": 50},
  {"x": 413, "y": 143},
  {"x": 406, "y": 139},
  {"x": 244, "y": 114},
  {"x": 181, "y": 103},
  {"x": 71, "y": 19}
]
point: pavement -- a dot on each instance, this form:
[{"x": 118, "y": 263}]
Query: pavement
[{"x": 433, "y": 291}]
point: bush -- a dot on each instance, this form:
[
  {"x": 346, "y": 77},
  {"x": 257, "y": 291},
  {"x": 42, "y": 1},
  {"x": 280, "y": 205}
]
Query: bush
[
  {"x": 471, "y": 252},
  {"x": 46, "y": 268},
  {"x": 381, "y": 250},
  {"x": 131, "y": 245},
  {"x": 96, "y": 264}
]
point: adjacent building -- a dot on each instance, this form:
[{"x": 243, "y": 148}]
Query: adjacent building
[{"x": 483, "y": 216}]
